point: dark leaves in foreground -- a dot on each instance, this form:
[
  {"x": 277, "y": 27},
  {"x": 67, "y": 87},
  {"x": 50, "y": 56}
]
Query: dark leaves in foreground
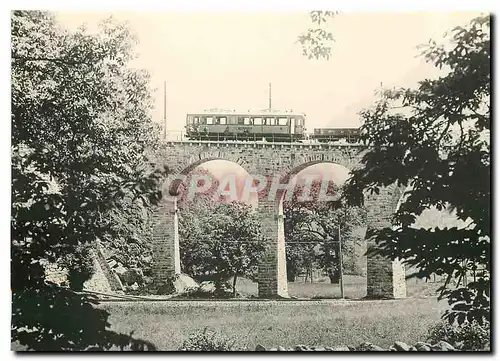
[{"x": 435, "y": 141}]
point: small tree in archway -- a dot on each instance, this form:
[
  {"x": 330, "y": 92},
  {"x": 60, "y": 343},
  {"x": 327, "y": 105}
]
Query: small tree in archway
[
  {"x": 312, "y": 226},
  {"x": 190, "y": 192},
  {"x": 218, "y": 240}
]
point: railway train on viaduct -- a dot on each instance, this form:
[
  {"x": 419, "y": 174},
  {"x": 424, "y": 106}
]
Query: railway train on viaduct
[{"x": 269, "y": 125}]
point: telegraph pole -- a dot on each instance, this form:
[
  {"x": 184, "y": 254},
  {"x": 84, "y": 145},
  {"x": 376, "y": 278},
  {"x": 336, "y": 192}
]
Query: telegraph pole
[
  {"x": 165, "y": 109},
  {"x": 269, "y": 96}
]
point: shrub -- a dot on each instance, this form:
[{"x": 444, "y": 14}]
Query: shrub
[
  {"x": 467, "y": 337},
  {"x": 221, "y": 240},
  {"x": 208, "y": 341},
  {"x": 79, "y": 265}
]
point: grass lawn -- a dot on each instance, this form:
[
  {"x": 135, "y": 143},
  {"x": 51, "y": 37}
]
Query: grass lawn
[
  {"x": 279, "y": 323},
  {"x": 285, "y": 323},
  {"x": 354, "y": 288}
]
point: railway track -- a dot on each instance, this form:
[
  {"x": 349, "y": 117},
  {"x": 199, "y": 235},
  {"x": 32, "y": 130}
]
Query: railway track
[{"x": 173, "y": 301}]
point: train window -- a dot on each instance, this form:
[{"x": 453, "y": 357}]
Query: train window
[
  {"x": 257, "y": 121},
  {"x": 299, "y": 121},
  {"x": 222, "y": 120},
  {"x": 196, "y": 120},
  {"x": 203, "y": 120},
  {"x": 210, "y": 120},
  {"x": 247, "y": 121},
  {"x": 282, "y": 121},
  {"x": 241, "y": 120},
  {"x": 270, "y": 121}
]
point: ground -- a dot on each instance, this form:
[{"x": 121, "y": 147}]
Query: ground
[
  {"x": 354, "y": 288},
  {"x": 279, "y": 323},
  {"x": 287, "y": 323},
  {"x": 328, "y": 322}
]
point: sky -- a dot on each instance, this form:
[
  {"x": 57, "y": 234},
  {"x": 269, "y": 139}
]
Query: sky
[{"x": 226, "y": 60}]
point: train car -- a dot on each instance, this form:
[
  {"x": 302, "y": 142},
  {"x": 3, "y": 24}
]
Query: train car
[
  {"x": 271, "y": 125},
  {"x": 351, "y": 135}
]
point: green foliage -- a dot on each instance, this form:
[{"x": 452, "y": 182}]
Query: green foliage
[
  {"x": 208, "y": 341},
  {"x": 130, "y": 241},
  {"x": 79, "y": 265},
  {"x": 280, "y": 323},
  {"x": 136, "y": 257},
  {"x": 316, "y": 41},
  {"x": 58, "y": 319},
  {"x": 470, "y": 336},
  {"x": 82, "y": 144},
  {"x": 194, "y": 181},
  {"x": 312, "y": 230},
  {"x": 220, "y": 240},
  {"x": 435, "y": 140}
]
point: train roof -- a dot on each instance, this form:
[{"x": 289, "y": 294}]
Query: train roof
[{"x": 264, "y": 112}]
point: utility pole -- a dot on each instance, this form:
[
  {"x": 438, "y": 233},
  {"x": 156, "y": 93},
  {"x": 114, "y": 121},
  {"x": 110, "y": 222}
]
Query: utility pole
[
  {"x": 269, "y": 96},
  {"x": 341, "y": 270},
  {"x": 165, "y": 109}
]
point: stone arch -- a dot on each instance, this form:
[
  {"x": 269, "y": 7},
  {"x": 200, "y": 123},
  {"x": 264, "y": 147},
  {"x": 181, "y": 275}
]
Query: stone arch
[
  {"x": 301, "y": 161},
  {"x": 195, "y": 160},
  {"x": 165, "y": 228},
  {"x": 292, "y": 171},
  {"x": 306, "y": 160},
  {"x": 385, "y": 278},
  {"x": 184, "y": 167},
  {"x": 272, "y": 275}
]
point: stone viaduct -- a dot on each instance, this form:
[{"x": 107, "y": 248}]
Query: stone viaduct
[{"x": 385, "y": 278}]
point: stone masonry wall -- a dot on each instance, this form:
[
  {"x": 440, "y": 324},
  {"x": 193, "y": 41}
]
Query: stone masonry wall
[
  {"x": 272, "y": 270},
  {"x": 258, "y": 158},
  {"x": 384, "y": 278},
  {"x": 163, "y": 243}
]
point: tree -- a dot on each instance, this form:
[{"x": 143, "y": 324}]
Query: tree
[
  {"x": 299, "y": 253},
  {"x": 82, "y": 149},
  {"x": 199, "y": 189},
  {"x": 314, "y": 222},
  {"x": 219, "y": 241},
  {"x": 435, "y": 140},
  {"x": 316, "y": 42}
]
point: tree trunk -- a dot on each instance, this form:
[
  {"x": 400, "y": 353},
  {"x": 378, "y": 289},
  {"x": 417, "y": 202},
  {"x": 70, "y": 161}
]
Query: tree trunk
[
  {"x": 309, "y": 273},
  {"x": 219, "y": 285},
  {"x": 332, "y": 263},
  {"x": 334, "y": 275},
  {"x": 290, "y": 274},
  {"x": 234, "y": 285}
]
